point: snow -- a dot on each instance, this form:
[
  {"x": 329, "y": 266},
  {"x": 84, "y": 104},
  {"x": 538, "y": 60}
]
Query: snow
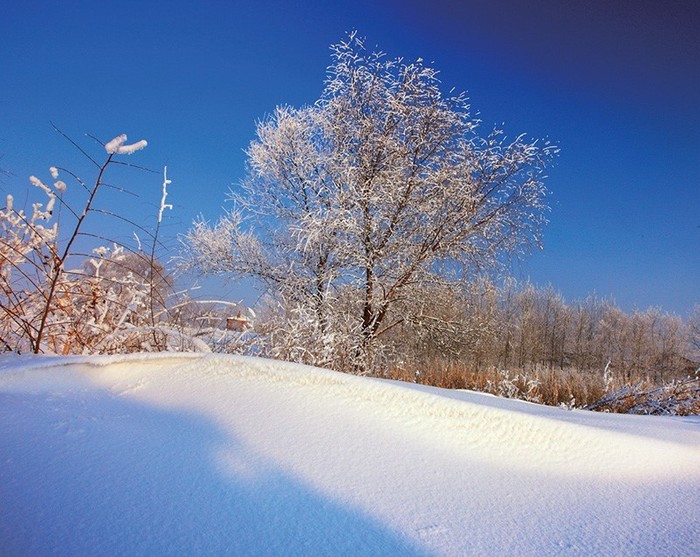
[
  {"x": 116, "y": 146},
  {"x": 188, "y": 454}
]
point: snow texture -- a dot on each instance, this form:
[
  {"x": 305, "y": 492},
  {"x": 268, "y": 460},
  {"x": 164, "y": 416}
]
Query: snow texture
[
  {"x": 116, "y": 146},
  {"x": 187, "y": 454}
]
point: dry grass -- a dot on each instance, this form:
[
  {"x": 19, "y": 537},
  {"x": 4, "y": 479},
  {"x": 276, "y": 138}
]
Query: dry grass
[{"x": 556, "y": 387}]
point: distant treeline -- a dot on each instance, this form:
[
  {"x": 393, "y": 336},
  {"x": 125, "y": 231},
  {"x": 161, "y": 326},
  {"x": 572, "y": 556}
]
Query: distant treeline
[{"x": 523, "y": 327}]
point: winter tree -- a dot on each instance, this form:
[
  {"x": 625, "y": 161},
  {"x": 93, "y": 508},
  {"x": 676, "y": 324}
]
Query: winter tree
[{"x": 380, "y": 189}]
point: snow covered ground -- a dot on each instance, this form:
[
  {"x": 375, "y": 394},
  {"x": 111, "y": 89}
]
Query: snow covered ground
[{"x": 224, "y": 455}]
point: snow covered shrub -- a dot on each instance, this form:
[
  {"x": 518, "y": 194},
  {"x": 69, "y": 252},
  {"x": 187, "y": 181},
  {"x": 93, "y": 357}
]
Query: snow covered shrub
[
  {"x": 292, "y": 331},
  {"x": 27, "y": 257},
  {"x": 113, "y": 299},
  {"x": 108, "y": 304},
  {"x": 515, "y": 386}
]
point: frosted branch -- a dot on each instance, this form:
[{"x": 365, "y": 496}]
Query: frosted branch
[
  {"x": 116, "y": 146},
  {"x": 163, "y": 204}
]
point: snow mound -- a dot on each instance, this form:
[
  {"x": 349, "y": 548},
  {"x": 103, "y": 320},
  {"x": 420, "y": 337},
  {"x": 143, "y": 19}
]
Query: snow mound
[{"x": 177, "y": 454}]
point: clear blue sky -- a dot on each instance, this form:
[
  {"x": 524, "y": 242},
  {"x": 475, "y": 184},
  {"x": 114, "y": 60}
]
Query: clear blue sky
[{"x": 615, "y": 83}]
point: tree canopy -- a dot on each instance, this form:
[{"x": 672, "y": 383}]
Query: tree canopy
[{"x": 382, "y": 189}]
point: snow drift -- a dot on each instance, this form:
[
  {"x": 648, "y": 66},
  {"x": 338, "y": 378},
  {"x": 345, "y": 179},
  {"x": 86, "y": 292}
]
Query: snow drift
[{"x": 179, "y": 454}]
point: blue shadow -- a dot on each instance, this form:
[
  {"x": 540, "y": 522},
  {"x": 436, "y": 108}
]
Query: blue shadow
[{"x": 84, "y": 472}]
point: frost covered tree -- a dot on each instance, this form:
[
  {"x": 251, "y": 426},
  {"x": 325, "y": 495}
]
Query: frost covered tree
[{"x": 382, "y": 187}]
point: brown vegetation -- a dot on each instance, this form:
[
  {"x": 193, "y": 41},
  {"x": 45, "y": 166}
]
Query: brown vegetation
[{"x": 525, "y": 342}]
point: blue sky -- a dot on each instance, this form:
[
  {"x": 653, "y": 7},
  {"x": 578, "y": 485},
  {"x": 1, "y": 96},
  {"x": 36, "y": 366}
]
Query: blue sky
[{"x": 615, "y": 84}]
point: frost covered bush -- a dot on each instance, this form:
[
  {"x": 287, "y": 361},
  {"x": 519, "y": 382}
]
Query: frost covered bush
[
  {"x": 292, "y": 332},
  {"x": 515, "y": 386},
  {"x": 108, "y": 304},
  {"x": 112, "y": 300},
  {"x": 27, "y": 255}
]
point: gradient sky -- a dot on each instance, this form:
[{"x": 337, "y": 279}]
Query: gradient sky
[{"x": 615, "y": 83}]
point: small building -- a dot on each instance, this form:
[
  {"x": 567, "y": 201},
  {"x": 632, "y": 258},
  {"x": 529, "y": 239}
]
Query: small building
[{"x": 239, "y": 323}]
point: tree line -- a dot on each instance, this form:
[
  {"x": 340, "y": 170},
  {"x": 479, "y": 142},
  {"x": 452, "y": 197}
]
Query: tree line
[{"x": 524, "y": 327}]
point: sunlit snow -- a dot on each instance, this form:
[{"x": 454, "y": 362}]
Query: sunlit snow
[{"x": 224, "y": 455}]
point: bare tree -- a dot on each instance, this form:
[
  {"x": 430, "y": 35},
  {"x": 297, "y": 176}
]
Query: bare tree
[
  {"x": 694, "y": 328},
  {"x": 382, "y": 185}
]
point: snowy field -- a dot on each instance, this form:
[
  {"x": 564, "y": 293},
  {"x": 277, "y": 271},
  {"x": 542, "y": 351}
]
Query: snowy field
[{"x": 224, "y": 455}]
